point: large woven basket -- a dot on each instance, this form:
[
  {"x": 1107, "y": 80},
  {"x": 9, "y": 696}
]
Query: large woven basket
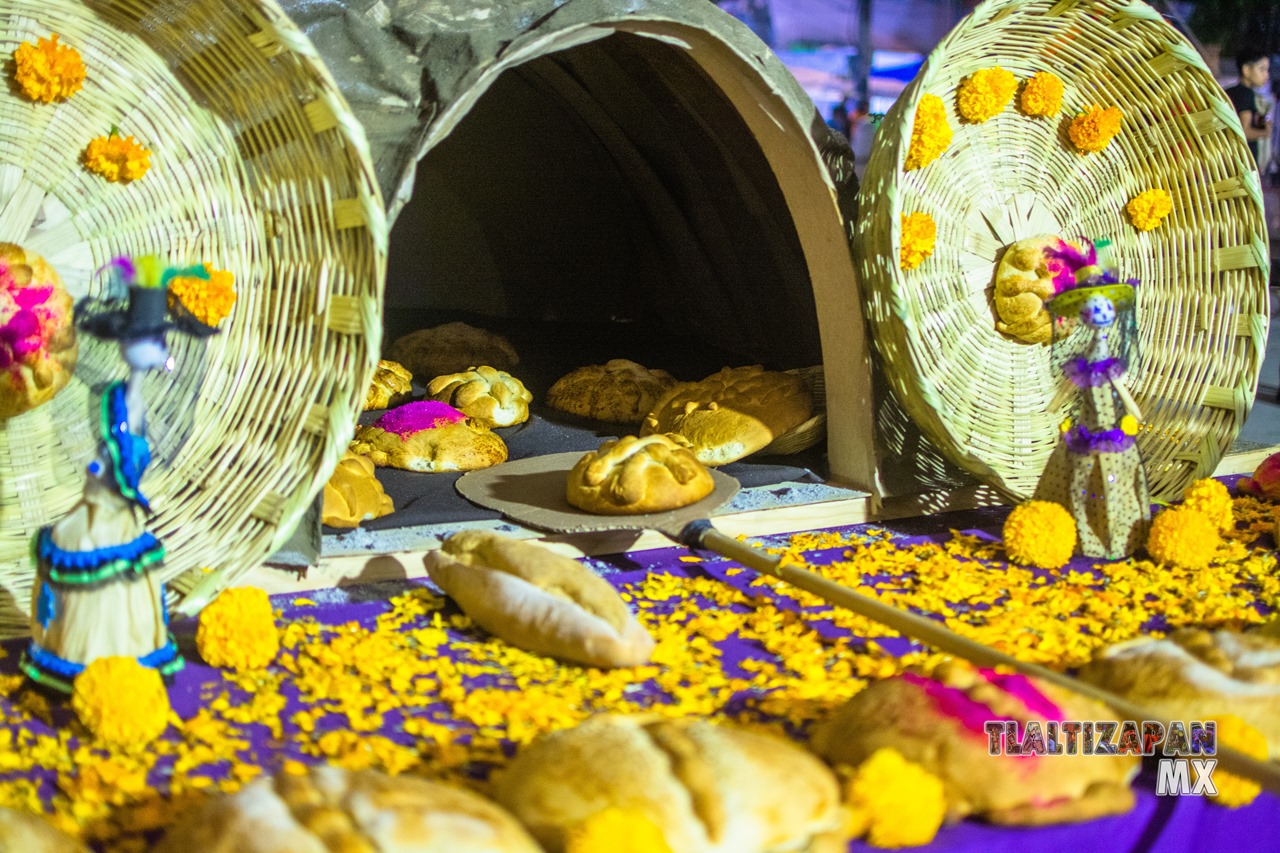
[
  {"x": 1202, "y": 310},
  {"x": 258, "y": 168}
]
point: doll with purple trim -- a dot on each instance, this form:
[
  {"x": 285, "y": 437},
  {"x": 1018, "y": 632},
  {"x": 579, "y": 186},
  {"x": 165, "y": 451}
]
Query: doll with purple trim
[
  {"x": 1096, "y": 471},
  {"x": 96, "y": 592}
]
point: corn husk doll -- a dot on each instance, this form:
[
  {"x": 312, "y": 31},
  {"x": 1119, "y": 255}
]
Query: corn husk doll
[
  {"x": 1096, "y": 472},
  {"x": 96, "y": 591}
]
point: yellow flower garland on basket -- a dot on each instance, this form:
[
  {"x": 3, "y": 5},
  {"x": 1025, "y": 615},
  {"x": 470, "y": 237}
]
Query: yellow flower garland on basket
[
  {"x": 1148, "y": 209},
  {"x": 1184, "y": 537},
  {"x": 123, "y": 703},
  {"x": 1042, "y": 95},
  {"x": 238, "y": 630},
  {"x": 919, "y": 236},
  {"x": 47, "y": 71},
  {"x": 1041, "y": 534},
  {"x": 1093, "y": 129},
  {"x": 119, "y": 159},
  {"x": 930, "y": 134},
  {"x": 894, "y": 802},
  {"x": 985, "y": 93}
]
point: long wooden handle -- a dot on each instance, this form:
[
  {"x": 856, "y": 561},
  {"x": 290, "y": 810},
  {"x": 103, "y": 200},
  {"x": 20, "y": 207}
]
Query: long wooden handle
[{"x": 700, "y": 534}]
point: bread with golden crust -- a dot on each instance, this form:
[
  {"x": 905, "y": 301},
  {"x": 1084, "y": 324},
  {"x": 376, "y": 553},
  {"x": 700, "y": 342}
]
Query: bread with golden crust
[
  {"x": 938, "y": 723},
  {"x": 353, "y": 493},
  {"x": 40, "y": 349},
  {"x": 733, "y": 413},
  {"x": 637, "y": 475},
  {"x": 618, "y": 392},
  {"x": 451, "y": 348},
  {"x": 708, "y": 787},
  {"x": 1196, "y": 675},
  {"x": 491, "y": 396},
  {"x": 538, "y": 600},
  {"x": 24, "y": 832},
  {"x": 391, "y": 385},
  {"x": 329, "y": 808},
  {"x": 429, "y": 436}
]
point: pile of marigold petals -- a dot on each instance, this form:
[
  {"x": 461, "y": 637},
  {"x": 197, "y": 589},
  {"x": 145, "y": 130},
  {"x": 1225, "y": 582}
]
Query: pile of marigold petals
[{"x": 395, "y": 678}]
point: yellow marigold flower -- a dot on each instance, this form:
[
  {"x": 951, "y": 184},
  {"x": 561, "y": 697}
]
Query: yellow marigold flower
[
  {"x": 919, "y": 234},
  {"x": 1065, "y": 426},
  {"x": 1092, "y": 129},
  {"x": 120, "y": 701},
  {"x": 1041, "y": 534},
  {"x": 1042, "y": 96},
  {"x": 985, "y": 93},
  {"x": 1148, "y": 209},
  {"x": 618, "y": 831},
  {"x": 48, "y": 71},
  {"x": 238, "y": 630},
  {"x": 1129, "y": 425},
  {"x": 930, "y": 135},
  {"x": 1184, "y": 537},
  {"x": 900, "y": 803},
  {"x": 1211, "y": 498},
  {"x": 117, "y": 158},
  {"x": 1235, "y": 791},
  {"x": 208, "y": 300}
]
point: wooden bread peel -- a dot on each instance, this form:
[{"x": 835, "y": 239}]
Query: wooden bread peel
[{"x": 532, "y": 491}]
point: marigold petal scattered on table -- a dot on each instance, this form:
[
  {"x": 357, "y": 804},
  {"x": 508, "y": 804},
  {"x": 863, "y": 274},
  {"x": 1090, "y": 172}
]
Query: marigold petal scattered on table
[
  {"x": 1042, "y": 95},
  {"x": 119, "y": 159},
  {"x": 1184, "y": 537},
  {"x": 238, "y": 630},
  {"x": 1148, "y": 209},
  {"x": 1235, "y": 791},
  {"x": 900, "y": 803},
  {"x": 930, "y": 133},
  {"x": 48, "y": 71},
  {"x": 1041, "y": 534},
  {"x": 1093, "y": 129},
  {"x": 208, "y": 300},
  {"x": 122, "y": 702},
  {"x": 985, "y": 93},
  {"x": 919, "y": 236},
  {"x": 617, "y": 831}
]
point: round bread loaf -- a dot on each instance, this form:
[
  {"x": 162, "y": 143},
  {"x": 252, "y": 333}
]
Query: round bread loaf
[
  {"x": 708, "y": 788},
  {"x": 618, "y": 392},
  {"x": 938, "y": 723},
  {"x": 429, "y": 436},
  {"x": 538, "y": 600},
  {"x": 328, "y": 809},
  {"x": 733, "y": 413},
  {"x": 493, "y": 397},
  {"x": 1196, "y": 675},
  {"x": 38, "y": 347},
  {"x": 392, "y": 385},
  {"x": 24, "y": 832},
  {"x": 636, "y": 475},
  {"x": 353, "y": 494},
  {"x": 451, "y": 348}
]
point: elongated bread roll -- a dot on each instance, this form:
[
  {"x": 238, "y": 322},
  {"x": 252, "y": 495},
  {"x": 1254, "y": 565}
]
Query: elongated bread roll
[{"x": 538, "y": 600}]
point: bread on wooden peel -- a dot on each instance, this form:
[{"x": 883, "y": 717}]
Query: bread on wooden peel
[{"x": 638, "y": 475}]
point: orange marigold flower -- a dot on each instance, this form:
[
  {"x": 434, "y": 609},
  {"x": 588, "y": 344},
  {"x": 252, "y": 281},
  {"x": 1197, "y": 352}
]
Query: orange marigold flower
[
  {"x": 208, "y": 300},
  {"x": 1235, "y": 791},
  {"x": 919, "y": 235},
  {"x": 120, "y": 701},
  {"x": 1211, "y": 498},
  {"x": 1042, "y": 96},
  {"x": 899, "y": 803},
  {"x": 985, "y": 93},
  {"x": 48, "y": 71},
  {"x": 1148, "y": 209},
  {"x": 1184, "y": 537},
  {"x": 930, "y": 135},
  {"x": 1041, "y": 534},
  {"x": 117, "y": 158},
  {"x": 238, "y": 630},
  {"x": 1092, "y": 129}
]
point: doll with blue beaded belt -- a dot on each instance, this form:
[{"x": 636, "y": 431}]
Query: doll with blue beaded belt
[{"x": 96, "y": 592}]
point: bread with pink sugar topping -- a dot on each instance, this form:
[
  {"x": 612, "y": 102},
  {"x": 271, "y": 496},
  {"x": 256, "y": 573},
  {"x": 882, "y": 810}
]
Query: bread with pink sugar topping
[
  {"x": 429, "y": 436},
  {"x": 38, "y": 348}
]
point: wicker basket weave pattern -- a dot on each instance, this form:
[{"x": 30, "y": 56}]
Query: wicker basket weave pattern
[
  {"x": 258, "y": 168},
  {"x": 983, "y": 397}
]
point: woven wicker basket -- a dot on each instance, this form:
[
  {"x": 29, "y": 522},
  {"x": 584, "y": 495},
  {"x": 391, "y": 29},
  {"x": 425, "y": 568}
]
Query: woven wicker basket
[
  {"x": 1202, "y": 311},
  {"x": 258, "y": 168}
]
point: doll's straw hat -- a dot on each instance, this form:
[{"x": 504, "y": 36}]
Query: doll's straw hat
[
  {"x": 258, "y": 168},
  {"x": 981, "y": 397}
]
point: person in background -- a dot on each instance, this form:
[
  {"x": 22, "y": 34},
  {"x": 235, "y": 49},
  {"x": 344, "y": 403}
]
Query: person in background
[
  {"x": 1254, "y": 110},
  {"x": 839, "y": 120}
]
